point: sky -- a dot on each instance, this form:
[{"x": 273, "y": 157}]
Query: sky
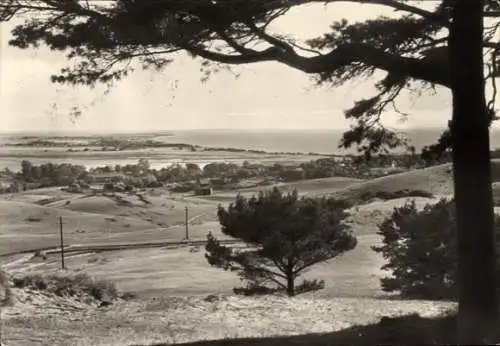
[{"x": 264, "y": 96}]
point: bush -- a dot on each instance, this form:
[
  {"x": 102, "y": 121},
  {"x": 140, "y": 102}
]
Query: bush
[
  {"x": 109, "y": 187},
  {"x": 421, "y": 250},
  {"x": 258, "y": 289},
  {"x": 35, "y": 281},
  {"x": 66, "y": 285},
  {"x": 33, "y": 219},
  {"x": 310, "y": 285},
  {"x": 183, "y": 188},
  {"x": 39, "y": 254},
  {"x": 255, "y": 290}
]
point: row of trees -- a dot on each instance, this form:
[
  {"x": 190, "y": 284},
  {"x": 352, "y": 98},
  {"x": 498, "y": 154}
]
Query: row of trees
[
  {"x": 50, "y": 174},
  {"x": 142, "y": 175},
  {"x": 320, "y": 168}
]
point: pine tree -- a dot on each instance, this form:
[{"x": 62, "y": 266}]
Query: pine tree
[{"x": 285, "y": 235}]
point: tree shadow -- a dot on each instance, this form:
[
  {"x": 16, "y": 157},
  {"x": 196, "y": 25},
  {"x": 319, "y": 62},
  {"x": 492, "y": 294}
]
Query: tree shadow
[{"x": 404, "y": 330}]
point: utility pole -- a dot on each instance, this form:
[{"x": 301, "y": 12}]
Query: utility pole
[
  {"x": 1, "y": 307},
  {"x": 187, "y": 224},
  {"x": 62, "y": 241},
  {"x": 1, "y": 325}
]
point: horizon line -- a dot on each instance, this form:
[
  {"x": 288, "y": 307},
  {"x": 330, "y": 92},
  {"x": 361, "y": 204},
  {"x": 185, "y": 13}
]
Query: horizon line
[{"x": 97, "y": 132}]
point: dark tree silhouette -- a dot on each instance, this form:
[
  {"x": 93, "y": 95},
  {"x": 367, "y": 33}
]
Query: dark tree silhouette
[
  {"x": 429, "y": 45},
  {"x": 420, "y": 246},
  {"x": 286, "y": 234},
  {"x": 478, "y": 296}
]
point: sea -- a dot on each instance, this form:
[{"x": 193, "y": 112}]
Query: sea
[{"x": 323, "y": 141}]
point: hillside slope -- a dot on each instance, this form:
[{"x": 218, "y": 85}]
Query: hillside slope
[
  {"x": 437, "y": 180},
  {"x": 27, "y": 226},
  {"x": 310, "y": 187}
]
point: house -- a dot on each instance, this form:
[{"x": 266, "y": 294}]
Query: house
[{"x": 203, "y": 187}]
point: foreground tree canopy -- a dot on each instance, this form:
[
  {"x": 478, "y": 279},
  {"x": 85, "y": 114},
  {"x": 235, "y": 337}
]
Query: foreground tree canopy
[
  {"x": 286, "y": 235},
  {"x": 103, "y": 37}
]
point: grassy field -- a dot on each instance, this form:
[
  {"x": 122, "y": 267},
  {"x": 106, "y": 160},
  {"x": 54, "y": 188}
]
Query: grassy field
[
  {"x": 184, "y": 271},
  {"x": 173, "y": 281}
]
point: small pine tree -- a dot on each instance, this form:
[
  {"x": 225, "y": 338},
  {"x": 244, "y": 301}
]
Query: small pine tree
[
  {"x": 421, "y": 249},
  {"x": 285, "y": 235}
]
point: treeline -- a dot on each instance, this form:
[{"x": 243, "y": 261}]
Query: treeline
[
  {"x": 142, "y": 175},
  {"x": 138, "y": 175},
  {"x": 222, "y": 175},
  {"x": 47, "y": 175}
]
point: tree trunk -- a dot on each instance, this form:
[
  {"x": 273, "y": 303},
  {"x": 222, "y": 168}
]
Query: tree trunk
[
  {"x": 290, "y": 282},
  {"x": 478, "y": 301}
]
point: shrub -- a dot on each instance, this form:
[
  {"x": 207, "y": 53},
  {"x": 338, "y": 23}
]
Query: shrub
[
  {"x": 109, "y": 187},
  {"x": 33, "y": 219},
  {"x": 310, "y": 285},
  {"x": 39, "y": 254},
  {"x": 128, "y": 296},
  {"x": 35, "y": 281},
  {"x": 182, "y": 188},
  {"x": 253, "y": 288},
  {"x": 67, "y": 285},
  {"x": 421, "y": 250}
]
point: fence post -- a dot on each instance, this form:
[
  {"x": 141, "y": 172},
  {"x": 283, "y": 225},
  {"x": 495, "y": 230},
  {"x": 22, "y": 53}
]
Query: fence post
[{"x": 62, "y": 241}]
